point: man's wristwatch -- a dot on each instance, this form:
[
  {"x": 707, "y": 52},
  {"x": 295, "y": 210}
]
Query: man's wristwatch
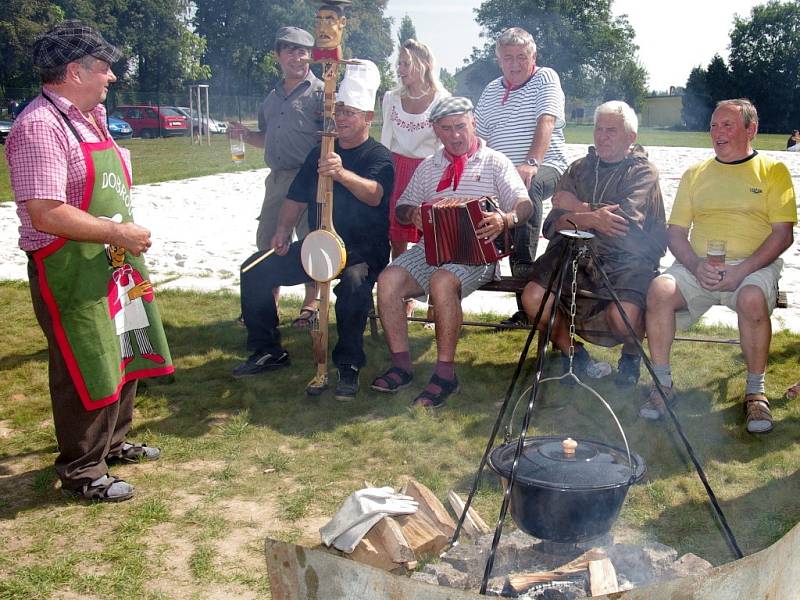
[
  {"x": 514, "y": 220},
  {"x": 532, "y": 162}
]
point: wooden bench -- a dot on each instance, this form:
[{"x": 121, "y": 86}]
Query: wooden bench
[{"x": 513, "y": 285}]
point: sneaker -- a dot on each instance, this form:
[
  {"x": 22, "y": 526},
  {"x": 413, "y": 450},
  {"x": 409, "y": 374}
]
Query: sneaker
[
  {"x": 583, "y": 365},
  {"x": 261, "y": 362},
  {"x": 653, "y": 409},
  {"x": 628, "y": 370},
  {"x": 347, "y": 388}
]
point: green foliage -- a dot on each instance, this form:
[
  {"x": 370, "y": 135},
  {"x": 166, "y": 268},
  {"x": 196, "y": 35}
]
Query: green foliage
[
  {"x": 764, "y": 62},
  {"x": 593, "y": 53},
  {"x": 697, "y": 104},
  {"x": 240, "y": 36},
  {"x": 448, "y": 80},
  {"x": 407, "y": 31},
  {"x": 704, "y": 88},
  {"x": 20, "y": 22}
]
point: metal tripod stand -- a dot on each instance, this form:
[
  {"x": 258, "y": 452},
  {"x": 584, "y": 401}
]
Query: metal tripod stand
[{"x": 578, "y": 244}]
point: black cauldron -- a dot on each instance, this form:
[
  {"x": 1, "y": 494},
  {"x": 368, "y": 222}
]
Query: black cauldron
[{"x": 565, "y": 490}]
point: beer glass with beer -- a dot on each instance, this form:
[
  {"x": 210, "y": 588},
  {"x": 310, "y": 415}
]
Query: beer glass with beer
[
  {"x": 715, "y": 252},
  {"x": 236, "y": 138}
]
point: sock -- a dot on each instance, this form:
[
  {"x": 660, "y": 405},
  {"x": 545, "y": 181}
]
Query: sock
[
  {"x": 755, "y": 383},
  {"x": 402, "y": 360},
  {"x": 663, "y": 374},
  {"x": 445, "y": 370},
  {"x": 580, "y": 355}
]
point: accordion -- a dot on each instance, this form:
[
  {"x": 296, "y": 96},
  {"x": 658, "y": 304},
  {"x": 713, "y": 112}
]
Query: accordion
[{"x": 448, "y": 226}]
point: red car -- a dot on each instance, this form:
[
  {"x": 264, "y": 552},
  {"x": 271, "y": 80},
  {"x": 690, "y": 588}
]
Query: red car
[{"x": 153, "y": 121}]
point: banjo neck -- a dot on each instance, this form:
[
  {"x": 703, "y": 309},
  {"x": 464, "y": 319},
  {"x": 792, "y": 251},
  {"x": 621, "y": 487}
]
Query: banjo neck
[{"x": 325, "y": 183}]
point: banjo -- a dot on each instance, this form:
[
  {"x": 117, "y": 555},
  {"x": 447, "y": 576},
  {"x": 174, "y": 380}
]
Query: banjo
[{"x": 323, "y": 253}]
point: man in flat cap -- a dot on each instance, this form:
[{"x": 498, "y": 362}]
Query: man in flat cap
[
  {"x": 464, "y": 168},
  {"x": 363, "y": 178},
  {"x": 289, "y": 123},
  {"x": 71, "y": 184}
]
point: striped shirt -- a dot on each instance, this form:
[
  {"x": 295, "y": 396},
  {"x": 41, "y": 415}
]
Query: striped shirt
[
  {"x": 45, "y": 159},
  {"x": 509, "y": 128},
  {"x": 487, "y": 173}
]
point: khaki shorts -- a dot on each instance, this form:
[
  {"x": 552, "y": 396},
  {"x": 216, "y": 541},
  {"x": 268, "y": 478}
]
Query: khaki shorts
[
  {"x": 276, "y": 186},
  {"x": 471, "y": 277},
  {"x": 699, "y": 300}
]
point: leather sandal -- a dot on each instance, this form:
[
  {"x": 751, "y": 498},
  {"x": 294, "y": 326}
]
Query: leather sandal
[
  {"x": 654, "y": 407},
  {"x": 428, "y": 399},
  {"x": 393, "y": 379},
  {"x": 307, "y": 318},
  {"x": 105, "y": 489},
  {"x": 133, "y": 453},
  {"x": 757, "y": 414}
]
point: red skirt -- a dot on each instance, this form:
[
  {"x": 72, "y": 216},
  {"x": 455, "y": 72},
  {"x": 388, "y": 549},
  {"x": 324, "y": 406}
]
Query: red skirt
[{"x": 404, "y": 168}]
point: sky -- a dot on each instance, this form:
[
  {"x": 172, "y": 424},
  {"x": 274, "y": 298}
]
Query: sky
[{"x": 673, "y": 36}]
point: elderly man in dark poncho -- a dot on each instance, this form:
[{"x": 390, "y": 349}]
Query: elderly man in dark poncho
[{"x": 614, "y": 193}]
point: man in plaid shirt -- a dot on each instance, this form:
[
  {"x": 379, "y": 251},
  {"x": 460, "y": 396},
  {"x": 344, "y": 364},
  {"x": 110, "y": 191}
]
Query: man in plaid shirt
[{"x": 56, "y": 147}]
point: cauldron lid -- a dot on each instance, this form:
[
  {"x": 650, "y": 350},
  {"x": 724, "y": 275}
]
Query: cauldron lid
[{"x": 544, "y": 463}]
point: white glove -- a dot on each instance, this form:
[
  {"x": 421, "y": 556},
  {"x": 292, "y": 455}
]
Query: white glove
[{"x": 360, "y": 512}]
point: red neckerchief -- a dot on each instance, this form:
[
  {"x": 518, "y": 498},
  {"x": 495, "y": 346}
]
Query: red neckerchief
[
  {"x": 511, "y": 88},
  {"x": 452, "y": 174}
]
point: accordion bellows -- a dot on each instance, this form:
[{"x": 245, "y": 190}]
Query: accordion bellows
[{"x": 448, "y": 226}]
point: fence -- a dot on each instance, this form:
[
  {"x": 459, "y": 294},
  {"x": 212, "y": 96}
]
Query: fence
[{"x": 223, "y": 108}]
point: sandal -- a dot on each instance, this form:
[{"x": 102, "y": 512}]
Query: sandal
[
  {"x": 307, "y": 318},
  {"x": 429, "y": 399},
  {"x": 757, "y": 413},
  {"x": 393, "y": 379},
  {"x": 105, "y": 489},
  {"x": 654, "y": 408},
  {"x": 133, "y": 453},
  {"x": 792, "y": 391}
]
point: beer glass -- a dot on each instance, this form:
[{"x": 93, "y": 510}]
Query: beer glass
[
  {"x": 715, "y": 252},
  {"x": 236, "y": 138}
]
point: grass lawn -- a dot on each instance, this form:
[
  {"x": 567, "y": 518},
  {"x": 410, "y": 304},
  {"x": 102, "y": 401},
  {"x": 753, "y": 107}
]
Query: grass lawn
[{"x": 247, "y": 459}]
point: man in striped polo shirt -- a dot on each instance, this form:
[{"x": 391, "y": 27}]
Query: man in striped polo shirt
[
  {"x": 464, "y": 168},
  {"x": 521, "y": 114}
]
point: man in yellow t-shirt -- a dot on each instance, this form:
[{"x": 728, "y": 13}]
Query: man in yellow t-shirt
[{"x": 747, "y": 201}]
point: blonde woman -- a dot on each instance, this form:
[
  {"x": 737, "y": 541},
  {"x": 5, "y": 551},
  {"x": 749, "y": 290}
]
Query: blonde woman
[{"x": 406, "y": 130}]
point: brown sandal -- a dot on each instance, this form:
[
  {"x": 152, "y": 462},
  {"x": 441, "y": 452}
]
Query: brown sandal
[
  {"x": 758, "y": 415},
  {"x": 307, "y": 318}
]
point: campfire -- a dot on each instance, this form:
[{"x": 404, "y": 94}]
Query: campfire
[{"x": 526, "y": 567}]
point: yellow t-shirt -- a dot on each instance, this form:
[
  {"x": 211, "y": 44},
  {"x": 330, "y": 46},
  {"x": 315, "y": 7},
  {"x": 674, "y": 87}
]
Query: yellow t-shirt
[{"x": 735, "y": 202}]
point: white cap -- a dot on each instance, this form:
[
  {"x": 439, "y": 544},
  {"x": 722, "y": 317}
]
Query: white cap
[{"x": 359, "y": 86}]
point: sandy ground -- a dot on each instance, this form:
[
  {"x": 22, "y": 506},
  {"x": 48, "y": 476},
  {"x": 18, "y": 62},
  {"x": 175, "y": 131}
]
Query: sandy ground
[{"x": 204, "y": 228}]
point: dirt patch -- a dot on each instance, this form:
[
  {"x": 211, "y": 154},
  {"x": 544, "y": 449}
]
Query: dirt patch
[
  {"x": 18, "y": 464},
  {"x": 6, "y": 430},
  {"x": 243, "y": 543},
  {"x": 176, "y": 580}
]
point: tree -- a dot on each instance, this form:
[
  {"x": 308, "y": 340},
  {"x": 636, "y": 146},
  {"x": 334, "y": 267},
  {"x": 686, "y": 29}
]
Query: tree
[
  {"x": 448, "y": 80},
  {"x": 697, "y": 104},
  {"x": 406, "y": 31},
  {"x": 593, "y": 53},
  {"x": 240, "y": 36},
  {"x": 764, "y": 63},
  {"x": 20, "y": 22}
]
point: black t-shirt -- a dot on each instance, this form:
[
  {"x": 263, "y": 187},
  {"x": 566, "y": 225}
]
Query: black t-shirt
[{"x": 364, "y": 229}]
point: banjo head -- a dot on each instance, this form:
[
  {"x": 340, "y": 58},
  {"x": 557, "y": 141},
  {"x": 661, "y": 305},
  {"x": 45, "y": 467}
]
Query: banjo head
[{"x": 323, "y": 255}]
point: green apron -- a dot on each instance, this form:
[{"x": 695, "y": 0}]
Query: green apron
[{"x": 104, "y": 314}]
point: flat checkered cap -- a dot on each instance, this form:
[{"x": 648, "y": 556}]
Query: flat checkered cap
[
  {"x": 452, "y": 105},
  {"x": 72, "y": 40}
]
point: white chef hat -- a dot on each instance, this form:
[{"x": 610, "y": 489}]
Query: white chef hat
[{"x": 359, "y": 86}]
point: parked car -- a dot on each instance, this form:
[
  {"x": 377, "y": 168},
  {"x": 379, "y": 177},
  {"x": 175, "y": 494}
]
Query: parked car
[
  {"x": 5, "y": 127},
  {"x": 119, "y": 129},
  {"x": 214, "y": 125},
  {"x": 153, "y": 121}
]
